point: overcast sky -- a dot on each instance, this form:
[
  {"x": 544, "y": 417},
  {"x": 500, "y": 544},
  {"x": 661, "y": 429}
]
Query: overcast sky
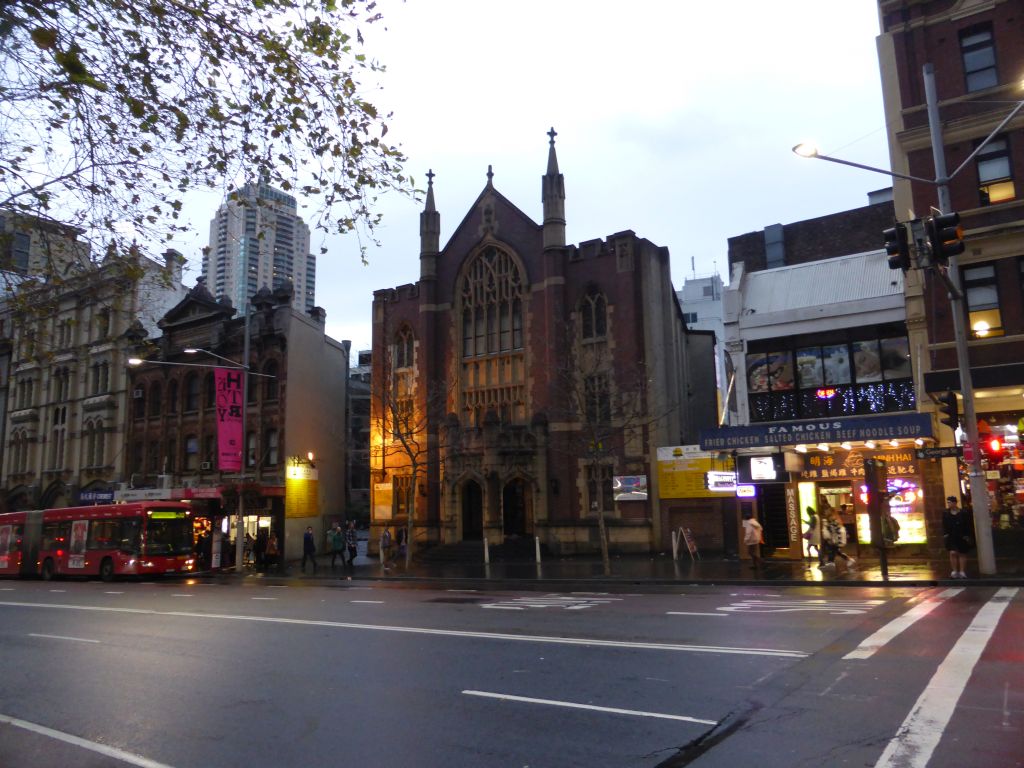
[{"x": 675, "y": 120}]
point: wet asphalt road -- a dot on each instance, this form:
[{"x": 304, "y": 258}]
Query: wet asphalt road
[{"x": 206, "y": 673}]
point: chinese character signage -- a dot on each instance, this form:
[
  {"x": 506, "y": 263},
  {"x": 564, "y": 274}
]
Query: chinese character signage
[
  {"x": 850, "y": 465},
  {"x": 229, "y": 419}
]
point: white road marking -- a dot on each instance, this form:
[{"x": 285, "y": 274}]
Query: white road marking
[
  {"x": 916, "y": 739},
  {"x": 58, "y": 590},
  {"x": 113, "y": 593},
  {"x": 460, "y": 590},
  {"x": 870, "y": 645},
  {"x": 92, "y": 746},
  {"x": 579, "y": 641},
  {"x": 835, "y": 607},
  {"x": 572, "y": 705},
  {"x": 693, "y": 613},
  {"x": 264, "y": 598},
  {"x": 182, "y": 594},
  {"x": 64, "y": 637},
  {"x": 6, "y": 589},
  {"x": 554, "y": 601},
  {"x": 375, "y": 602}
]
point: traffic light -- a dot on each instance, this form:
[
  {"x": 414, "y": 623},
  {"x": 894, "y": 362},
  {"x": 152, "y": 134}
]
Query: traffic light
[
  {"x": 993, "y": 450},
  {"x": 898, "y": 247},
  {"x": 948, "y": 413},
  {"x": 945, "y": 236}
]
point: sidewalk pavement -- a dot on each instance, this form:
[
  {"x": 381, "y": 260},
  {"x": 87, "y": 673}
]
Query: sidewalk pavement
[{"x": 584, "y": 572}]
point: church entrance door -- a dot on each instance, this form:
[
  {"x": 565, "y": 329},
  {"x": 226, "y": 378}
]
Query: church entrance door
[
  {"x": 513, "y": 508},
  {"x": 472, "y": 512}
]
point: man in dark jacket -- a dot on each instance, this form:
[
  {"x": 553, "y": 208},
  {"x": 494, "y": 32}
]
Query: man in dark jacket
[{"x": 308, "y": 548}]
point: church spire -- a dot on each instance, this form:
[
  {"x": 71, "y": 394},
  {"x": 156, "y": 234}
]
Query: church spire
[
  {"x": 430, "y": 233},
  {"x": 553, "y": 198}
]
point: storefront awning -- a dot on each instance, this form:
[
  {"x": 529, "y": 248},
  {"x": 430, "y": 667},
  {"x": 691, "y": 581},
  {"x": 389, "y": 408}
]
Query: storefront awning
[{"x": 907, "y": 426}]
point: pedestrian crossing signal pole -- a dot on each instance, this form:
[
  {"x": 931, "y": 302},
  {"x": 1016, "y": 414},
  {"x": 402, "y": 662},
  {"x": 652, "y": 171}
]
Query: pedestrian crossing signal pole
[{"x": 875, "y": 480}]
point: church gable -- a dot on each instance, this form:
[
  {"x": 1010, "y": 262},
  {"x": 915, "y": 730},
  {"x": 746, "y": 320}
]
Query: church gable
[
  {"x": 491, "y": 217},
  {"x": 197, "y": 306}
]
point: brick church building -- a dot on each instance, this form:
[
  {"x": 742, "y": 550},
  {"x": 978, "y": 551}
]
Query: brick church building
[{"x": 521, "y": 386}]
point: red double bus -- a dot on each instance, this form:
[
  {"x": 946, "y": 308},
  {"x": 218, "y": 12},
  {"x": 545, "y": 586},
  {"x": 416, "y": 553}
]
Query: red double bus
[{"x": 107, "y": 540}]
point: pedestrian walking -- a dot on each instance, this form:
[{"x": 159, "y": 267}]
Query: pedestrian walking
[
  {"x": 385, "y": 548},
  {"x": 813, "y": 535},
  {"x": 958, "y": 536},
  {"x": 401, "y": 543},
  {"x": 308, "y": 548},
  {"x": 336, "y": 537},
  {"x": 351, "y": 542},
  {"x": 271, "y": 558},
  {"x": 259, "y": 550},
  {"x": 752, "y": 533},
  {"x": 833, "y": 535}
]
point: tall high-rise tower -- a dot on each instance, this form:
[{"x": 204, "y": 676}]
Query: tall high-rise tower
[{"x": 257, "y": 239}]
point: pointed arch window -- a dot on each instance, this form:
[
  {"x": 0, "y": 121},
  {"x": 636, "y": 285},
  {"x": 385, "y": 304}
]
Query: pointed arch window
[
  {"x": 492, "y": 297},
  {"x": 404, "y": 348},
  {"x": 593, "y": 317}
]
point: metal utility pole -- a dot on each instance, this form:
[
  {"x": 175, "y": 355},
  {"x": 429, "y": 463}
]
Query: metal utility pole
[
  {"x": 240, "y": 512},
  {"x": 979, "y": 487}
]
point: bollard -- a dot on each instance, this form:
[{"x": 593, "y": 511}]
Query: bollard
[
  {"x": 536, "y": 545},
  {"x": 487, "y": 553},
  {"x": 675, "y": 545}
]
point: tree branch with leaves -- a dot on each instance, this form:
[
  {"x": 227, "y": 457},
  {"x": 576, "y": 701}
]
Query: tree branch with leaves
[{"x": 111, "y": 111}]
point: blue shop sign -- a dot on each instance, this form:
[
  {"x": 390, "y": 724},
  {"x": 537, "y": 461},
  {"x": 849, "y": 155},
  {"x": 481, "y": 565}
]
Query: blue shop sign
[
  {"x": 776, "y": 433},
  {"x": 96, "y": 497}
]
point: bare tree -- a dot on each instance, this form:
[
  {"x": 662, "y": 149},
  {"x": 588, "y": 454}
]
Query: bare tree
[
  {"x": 403, "y": 421},
  {"x": 607, "y": 403}
]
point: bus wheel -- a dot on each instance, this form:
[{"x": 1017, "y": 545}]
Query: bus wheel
[
  {"x": 47, "y": 569},
  {"x": 107, "y": 569}
]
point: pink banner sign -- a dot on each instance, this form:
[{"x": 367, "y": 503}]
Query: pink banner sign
[{"x": 229, "y": 419}]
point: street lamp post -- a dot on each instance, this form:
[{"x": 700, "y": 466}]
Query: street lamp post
[
  {"x": 240, "y": 511},
  {"x": 979, "y": 489}
]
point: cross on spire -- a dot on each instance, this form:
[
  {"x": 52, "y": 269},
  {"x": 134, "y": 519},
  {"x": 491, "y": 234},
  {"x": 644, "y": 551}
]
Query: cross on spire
[
  {"x": 552, "y": 133},
  {"x": 490, "y": 174},
  {"x": 430, "y": 177}
]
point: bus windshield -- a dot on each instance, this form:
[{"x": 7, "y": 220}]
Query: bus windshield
[{"x": 168, "y": 532}]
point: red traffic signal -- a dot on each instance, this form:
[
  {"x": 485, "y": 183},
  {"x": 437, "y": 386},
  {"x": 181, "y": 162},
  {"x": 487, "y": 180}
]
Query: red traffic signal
[{"x": 993, "y": 450}]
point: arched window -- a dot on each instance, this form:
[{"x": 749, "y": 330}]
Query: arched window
[
  {"x": 593, "y": 317},
  {"x": 155, "y": 398},
  {"x": 270, "y": 384},
  {"x": 138, "y": 401},
  {"x": 172, "y": 396},
  {"x": 191, "y": 392},
  {"x": 491, "y": 303},
  {"x": 403, "y": 349},
  {"x": 99, "y": 445},
  {"x": 270, "y": 453},
  {"x": 210, "y": 392},
  {"x": 171, "y": 455},
  {"x": 58, "y": 433},
  {"x": 191, "y": 453}
]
